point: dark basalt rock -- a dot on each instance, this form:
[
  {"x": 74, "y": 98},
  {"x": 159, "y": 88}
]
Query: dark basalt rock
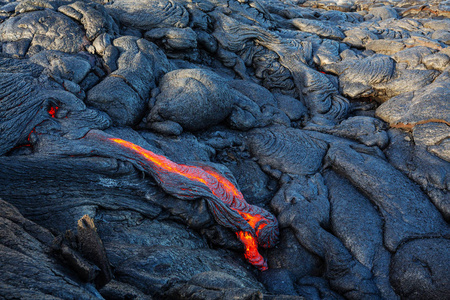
[
  {"x": 174, "y": 38},
  {"x": 194, "y": 98},
  {"x": 412, "y": 56},
  {"x": 405, "y": 81},
  {"x": 385, "y": 46},
  {"x": 278, "y": 282},
  {"x": 394, "y": 195},
  {"x": 438, "y": 61},
  {"x": 287, "y": 150},
  {"x": 212, "y": 285},
  {"x": 290, "y": 255},
  {"x": 293, "y": 108},
  {"x": 25, "y": 100},
  {"x": 302, "y": 205},
  {"x": 124, "y": 94},
  {"x": 360, "y": 230},
  {"x": 331, "y": 118},
  {"x": 420, "y": 269},
  {"x": 423, "y": 167},
  {"x": 29, "y": 270},
  {"x": 319, "y": 93},
  {"x": 152, "y": 269}
]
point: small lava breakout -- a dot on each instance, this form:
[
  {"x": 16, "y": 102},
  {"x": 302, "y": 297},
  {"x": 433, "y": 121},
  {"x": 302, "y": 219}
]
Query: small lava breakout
[{"x": 253, "y": 225}]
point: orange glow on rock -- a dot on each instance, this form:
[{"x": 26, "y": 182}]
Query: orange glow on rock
[
  {"x": 250, "y": 219},
  {"x": 29, "y": 135}
]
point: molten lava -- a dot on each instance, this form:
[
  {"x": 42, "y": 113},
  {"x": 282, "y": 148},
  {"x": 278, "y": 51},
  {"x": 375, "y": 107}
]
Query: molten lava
[
  {"x": 253, "y": 225},
  {"x": 52, "y": 111}
]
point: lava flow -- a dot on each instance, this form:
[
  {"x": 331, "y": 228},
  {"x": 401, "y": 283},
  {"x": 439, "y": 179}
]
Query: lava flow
[{"x": 253, "y": 225}]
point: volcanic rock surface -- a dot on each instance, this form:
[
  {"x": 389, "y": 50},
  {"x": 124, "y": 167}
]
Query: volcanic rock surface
[{"x": 331, "y": 117}]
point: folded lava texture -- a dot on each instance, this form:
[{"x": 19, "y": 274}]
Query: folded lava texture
[
  {"x": 253, "y": 225},
  {"x": 224, "y": 149}
]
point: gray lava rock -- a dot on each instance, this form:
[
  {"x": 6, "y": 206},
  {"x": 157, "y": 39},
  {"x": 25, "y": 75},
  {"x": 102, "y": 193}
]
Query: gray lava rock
[
  {"x": 360, "y": 229},
  {"x": 412, "y": 56},
  {"x": 76, "y": 178},
  {"x": 212, "y": 285},
  {"x": 93, "y": 16},
  {"x": 327, "y": 53},
  {"x": 267, "y": 111},
  {"x": 302, "y": 205},
  {"x": 166, "y": 253},
  {"x": 26, "y": 96},
  {"x": 393, "y": 193},
  {"x": 120, "y": 101},
  {"x": 174, "y": 38},
  {"x": 430, "y": 103},
  {"x": 149, "y": 14},
  {"x": 278, "y": 282},
  {"x": 436, "y": 24},
  {"x": 318, "y": 28},
  {"x": 358, "y": 77},
  {"x": 257, "y": 93},
  {"x": 319, "y": 92},
  {"x": 366, "y": 130},
  {"x": 199, "y": 98},
  {"x": 292, "y": 107},
  {"x": 253, "y": 182},
  {"x": 404, "y": 81},
  {"x": 420, "y": 269},
  {"x": 124, "y": 94},
  {"x": 43, "y": 30},
  {"x": 426, "y": 169},
  {"x": 287, "y": 150},
  {"x": 193, "y": 98},
  {"x": 151, "y": 269},
  {"x": 62, "y": 65},
  {"x": 438, "y": 61},
  {"x": 260, "y": 85},
  {"x": 290, "y": 255},
  {"x": 385, "y": 46},
  {"x": 442, "y": 35},
  {"x": 28, "y": 269},
  {"x": 120, "y": 290},
  {"x": 359, "y": 37},
  {"x": 384, "y": 12},
  {"x": 185, "y": 148}
]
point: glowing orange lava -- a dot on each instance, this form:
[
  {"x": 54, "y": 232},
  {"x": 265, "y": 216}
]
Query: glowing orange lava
[
  {"x": 52, "y": 111},
  {"x": 223, "y": 189},
  {"x": 251, "y": 250}
]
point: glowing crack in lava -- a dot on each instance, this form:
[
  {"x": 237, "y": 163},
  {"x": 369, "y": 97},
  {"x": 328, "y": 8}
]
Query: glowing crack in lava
[{"x": 253, "y": 225}]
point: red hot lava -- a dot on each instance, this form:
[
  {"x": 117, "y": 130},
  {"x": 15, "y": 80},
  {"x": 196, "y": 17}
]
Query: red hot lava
[
  {"x": 52, "y": 111},
  {"x": 253, "y": 225}
]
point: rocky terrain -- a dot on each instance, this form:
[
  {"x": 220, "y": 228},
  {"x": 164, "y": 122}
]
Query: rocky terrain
[{"x": 331, "y": 117}]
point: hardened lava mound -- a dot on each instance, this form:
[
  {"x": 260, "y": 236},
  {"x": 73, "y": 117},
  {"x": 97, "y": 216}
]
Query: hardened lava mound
[{"x": 224, "y": 149}]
